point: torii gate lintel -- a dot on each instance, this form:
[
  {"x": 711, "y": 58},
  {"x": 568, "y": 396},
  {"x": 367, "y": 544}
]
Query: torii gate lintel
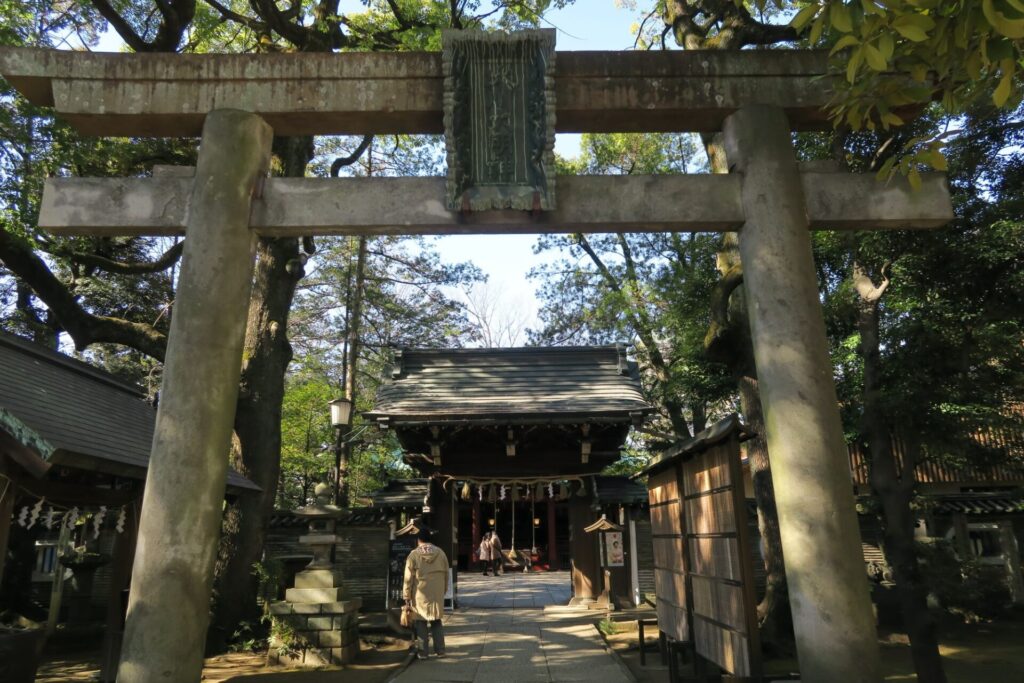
[{"x": 755, "y": 97}]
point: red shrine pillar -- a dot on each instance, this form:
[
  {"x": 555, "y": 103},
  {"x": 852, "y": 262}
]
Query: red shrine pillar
[{"x": 552, "y": 537}]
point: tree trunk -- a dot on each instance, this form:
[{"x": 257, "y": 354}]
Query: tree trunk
[
  {"x": 729, "y": 341},
  {"x": 895, "y": 490},
  {"x": 773, "y": 611},
  {"x": 352, "y": 364},
  {"x": 257, "y": 444}
]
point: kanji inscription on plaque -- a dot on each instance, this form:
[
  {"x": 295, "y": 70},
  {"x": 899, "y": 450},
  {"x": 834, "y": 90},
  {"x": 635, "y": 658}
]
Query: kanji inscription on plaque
[{"x": 499, "y": 119}]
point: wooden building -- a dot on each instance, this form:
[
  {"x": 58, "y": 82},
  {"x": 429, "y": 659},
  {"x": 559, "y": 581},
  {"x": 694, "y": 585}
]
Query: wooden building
[
  {"x": 513, "y": 441},
  {"x": 979, "y": 508},
  {"x": 74, "y": 452}
]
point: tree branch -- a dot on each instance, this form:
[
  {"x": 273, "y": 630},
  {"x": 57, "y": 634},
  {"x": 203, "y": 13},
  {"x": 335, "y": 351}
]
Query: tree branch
[
  {"x": 168, "y": 259},
  {"x": 176, "y": 17},
  {"x": 84, "y": 327},
  {"x": 341, "y": 162}
]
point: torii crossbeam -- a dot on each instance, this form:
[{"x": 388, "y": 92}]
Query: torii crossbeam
[{"x": 239, "y": 101}]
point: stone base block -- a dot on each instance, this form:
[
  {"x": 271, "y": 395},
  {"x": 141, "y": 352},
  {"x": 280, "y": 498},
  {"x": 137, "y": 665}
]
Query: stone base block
[
  {"x": 313, "y": 656},
  {"x": 313, "y": 595},
  {"x": 318, "y": 578}
]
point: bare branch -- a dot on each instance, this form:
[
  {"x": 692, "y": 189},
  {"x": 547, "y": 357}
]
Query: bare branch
[{"x": 168, "y": 259}]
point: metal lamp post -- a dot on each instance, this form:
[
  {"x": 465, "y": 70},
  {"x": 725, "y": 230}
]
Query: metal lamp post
[{"x": 341, "y": 420}]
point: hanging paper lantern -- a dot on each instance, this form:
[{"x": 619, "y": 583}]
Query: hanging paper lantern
[
  {"x": 492, "y": 493},
  {"x": 563, "y": 491},
  {"x": 583, "y": 489},
  {"x": 515, "y": 492},
  {"x": 538, "y": 493},
  {"x": 466, "y": 492}
]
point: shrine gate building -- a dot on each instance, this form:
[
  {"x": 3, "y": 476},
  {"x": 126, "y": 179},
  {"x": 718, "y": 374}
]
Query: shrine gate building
[{"x": 514, "y": 440}]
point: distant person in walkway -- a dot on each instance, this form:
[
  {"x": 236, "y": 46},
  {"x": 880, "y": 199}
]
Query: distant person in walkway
[
  {"x": 426, "y": 582},
  {"x": 496, "y": 557},
  {"x": 484, "y": 552}
]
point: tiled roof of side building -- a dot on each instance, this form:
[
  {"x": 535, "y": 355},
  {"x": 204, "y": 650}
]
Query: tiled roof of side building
[
  {"x": 473, "y": 384},
  {"x": 80, "y": 410}
]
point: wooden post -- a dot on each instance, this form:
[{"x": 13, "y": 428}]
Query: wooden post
[
  {"x": 1013, "y": 566},
  {"x": 634, "y": 562},
  {"x": 57, "y": 587},
  {"x": 586, "y": 574},
  {"x": 172, "y": 576},
  {"x": 553, "y": 563},
  {"x": 828, "y": 589},
  {"x": 7, "y": 491},
  {"x": 962, "y": 537},
  {"x": 120, "y": 575}
]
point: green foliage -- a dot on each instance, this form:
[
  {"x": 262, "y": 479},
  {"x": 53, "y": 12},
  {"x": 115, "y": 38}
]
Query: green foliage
[
  {"x": 607, "y": 627},
  {"x": 969, "y": 589},
  {"x": 651, "y": 289},
  {"x": 900, "y": 55},
  {"x": 951, "y": 319}
]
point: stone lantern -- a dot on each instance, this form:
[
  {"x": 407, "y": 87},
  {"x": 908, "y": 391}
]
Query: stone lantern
[
  {"x": 323, "y": 519},
  {"x": 325, "y": 626}
]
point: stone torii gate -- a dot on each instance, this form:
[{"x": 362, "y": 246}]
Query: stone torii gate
[{"x": 239, "y": 102}]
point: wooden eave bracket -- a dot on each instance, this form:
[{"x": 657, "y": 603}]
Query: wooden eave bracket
[{"x": 24, "y": 446}]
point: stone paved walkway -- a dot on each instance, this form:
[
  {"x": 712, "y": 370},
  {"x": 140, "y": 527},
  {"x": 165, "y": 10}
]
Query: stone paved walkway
[
  {"x": 515, "y": 640},
  {"x": 514, "y": 590}
]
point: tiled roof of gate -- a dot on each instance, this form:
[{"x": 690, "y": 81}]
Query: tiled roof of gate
[
  {"x": 78, "y": 408},
  {"x": 979, "y": 503},
  {"x": 531, "y": 382}
]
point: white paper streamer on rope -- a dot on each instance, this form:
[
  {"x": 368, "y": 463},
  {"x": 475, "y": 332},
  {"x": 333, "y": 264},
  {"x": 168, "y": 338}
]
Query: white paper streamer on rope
[
  {"x": 97, "y": 521},
  {"x": 120, "y": 520},
  {"x": 37, "y": 509},
  {"x": 71, "y": 517},
  {"x": 23, "y": 516},
  {"x": 501, "y": 494},
  {"x": 50, "y": 514},
  {"x": 480, "y": 492},
  {"x": 551, "y": 490}
]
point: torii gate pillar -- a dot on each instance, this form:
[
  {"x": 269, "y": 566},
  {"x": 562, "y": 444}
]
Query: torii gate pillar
[
  {"x": 169, "y": 604},
  {"x": 828, "y": 590}
]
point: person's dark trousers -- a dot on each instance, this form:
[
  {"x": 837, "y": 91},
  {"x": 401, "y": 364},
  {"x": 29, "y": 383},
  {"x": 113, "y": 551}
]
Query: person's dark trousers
[
  {"x": 496, "y": 569},
  {"x": 436, "y": 633}
]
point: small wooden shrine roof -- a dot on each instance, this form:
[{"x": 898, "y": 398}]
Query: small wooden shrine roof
[
  {"x": 511, "y": 386},
  {"x": 402, "y": 493},
  {"x": 56, "y": 410}
]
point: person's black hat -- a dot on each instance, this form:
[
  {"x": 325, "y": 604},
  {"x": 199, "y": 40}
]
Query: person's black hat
[{"x": 424, "y": 535}]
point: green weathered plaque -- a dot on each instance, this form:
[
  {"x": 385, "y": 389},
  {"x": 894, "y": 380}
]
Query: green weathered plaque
[{"x": 499, "y": 119}]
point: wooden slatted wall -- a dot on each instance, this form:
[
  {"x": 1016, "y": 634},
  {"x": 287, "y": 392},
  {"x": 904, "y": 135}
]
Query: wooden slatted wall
[
  {"x": 668, "y": 540},
  {"x": 721, "y": 573}
]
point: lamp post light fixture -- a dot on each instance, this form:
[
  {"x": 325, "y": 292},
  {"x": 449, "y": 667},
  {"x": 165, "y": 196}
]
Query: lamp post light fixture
[
  {"x": 341, "y": 420},
  {"x": 341, "y": 412}
]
